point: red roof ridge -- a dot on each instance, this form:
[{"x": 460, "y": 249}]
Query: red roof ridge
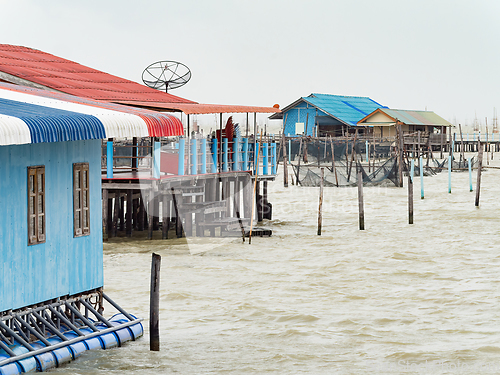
[{"x": 38, "y": 73}]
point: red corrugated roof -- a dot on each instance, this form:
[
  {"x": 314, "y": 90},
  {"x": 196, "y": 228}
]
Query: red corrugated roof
[
  {"x": 72, "y": 78},
  {"x": 199, "y": 108},
  {"x": 75, "y": 79}
]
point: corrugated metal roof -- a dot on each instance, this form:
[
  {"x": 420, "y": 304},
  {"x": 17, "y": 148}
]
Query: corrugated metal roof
[
  {"x": 53, "y": 125},
  {"x": 205, "y": 108},
  {"x": 13, "y": 131},
  {"x": 69, "y": 77},
  {"x": 119, "y": 121},
  {"x": 76, "y": 79},
  {"x": 346, "y": 109},
  {"x": 29, "y": 118},
  {"x": 407, "y": 117}
]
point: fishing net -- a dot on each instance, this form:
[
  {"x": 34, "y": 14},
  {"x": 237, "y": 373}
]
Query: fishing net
[{"x": 346, "y": 174}]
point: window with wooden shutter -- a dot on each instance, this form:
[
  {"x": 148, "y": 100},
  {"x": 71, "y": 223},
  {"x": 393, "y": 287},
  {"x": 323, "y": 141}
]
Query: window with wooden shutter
[
  {"x": 36, "y": 205},
  {"x": 81, "y": 199}
]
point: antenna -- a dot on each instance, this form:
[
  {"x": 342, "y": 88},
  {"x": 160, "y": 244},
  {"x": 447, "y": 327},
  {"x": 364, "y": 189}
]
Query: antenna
[{"x": 165, "y": 75}]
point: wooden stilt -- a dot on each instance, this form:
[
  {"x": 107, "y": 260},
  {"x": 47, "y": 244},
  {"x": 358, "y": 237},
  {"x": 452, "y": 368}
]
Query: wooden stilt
[
  {"x": 410, "y": 199},
  {"x": 198, "y": 217},
  {"x": 122, "y": 212},
  {"x": 360, "y": 202},
  {"x": 140, "y": 221},
  {"x": 178, "y": 220},
  {"x": 255, "y": 187},
  {"x": 320, "y": 213},
  {"x": 128, "y": 224},
  {"x": 165, "y": 216},
  {"x": 116, "y": 213},
  {"x": 333, "y": 163},
  {"x": 285, "y": 164},
  {"x": 135, "y": 206},
  {"x": 479, "y": 168},
  {"x": 154, "y": 304},
  {"x": 105, "y": 214},
  {"x": 150, "y": 213},
  {"x": 109, "y": 223}
]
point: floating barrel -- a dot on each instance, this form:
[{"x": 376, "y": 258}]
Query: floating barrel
[
  {"x": 77, "y": 348},
  {"x": 92, "y": 343},
  {"x": 45, "y": 360},
  {"x": 63, "y": 355},
  {"x": 27, "y": 364},
  {"x": 128, "y": 333},
  {"x": 10, "y": 369},
  {"x": 108, "y": 340}
]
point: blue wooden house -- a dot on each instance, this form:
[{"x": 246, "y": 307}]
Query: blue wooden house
[
  {"x": 51, "y": 253},
  {"x": 325, "y": 114}
]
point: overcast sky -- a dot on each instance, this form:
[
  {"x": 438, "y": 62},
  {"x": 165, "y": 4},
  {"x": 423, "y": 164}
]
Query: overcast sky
[{"x": 443, "y": 55}]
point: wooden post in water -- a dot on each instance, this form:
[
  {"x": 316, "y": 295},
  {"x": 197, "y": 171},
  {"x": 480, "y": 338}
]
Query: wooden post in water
[
  {"x": 297, "y": 174},
  {"x": 421, "y": 165},
  {"x": 360, "y": 201},
  {"x": 462, "y": 149},
  {"x": 470, "y": 175},
  {"x": 285, "y": 164},
  {"x": 400, "y": 145},
  {"x": 105, "y": 214},
  {"x": 479, "y": 167},
  {"x": 333, "y": 163},
  {"x": 254, "y": 189},
  {"x": 442, "y": 135},
  {"x": 154, "y": 305},
  {"x": 320, "y": 217},
  {"x": 410, "y": 198},
  {"x": 487, "y": 143},
  {"x": 352, "y": 155},
  {"x": 449, "y": 173}
]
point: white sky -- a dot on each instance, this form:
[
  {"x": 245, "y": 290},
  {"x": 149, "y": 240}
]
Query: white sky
[{"x": 443, "y": 55}]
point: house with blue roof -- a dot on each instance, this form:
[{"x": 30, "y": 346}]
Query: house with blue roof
[
  {"x": 325, "y": 115},
  {"x": 51, "y": 227}
]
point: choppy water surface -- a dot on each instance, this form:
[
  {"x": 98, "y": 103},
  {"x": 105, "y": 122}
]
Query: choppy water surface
[{"x": 384, "y": 300}]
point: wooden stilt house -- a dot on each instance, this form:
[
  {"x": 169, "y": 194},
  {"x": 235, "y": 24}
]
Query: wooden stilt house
[{"x": 51, "y": 260}]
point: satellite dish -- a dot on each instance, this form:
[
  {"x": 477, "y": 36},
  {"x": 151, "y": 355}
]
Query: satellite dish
[{"x": 166, "y": 75}]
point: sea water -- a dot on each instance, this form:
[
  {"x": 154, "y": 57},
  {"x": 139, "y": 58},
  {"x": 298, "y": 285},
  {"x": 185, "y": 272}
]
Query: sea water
[{"x": 394, "y": 298}]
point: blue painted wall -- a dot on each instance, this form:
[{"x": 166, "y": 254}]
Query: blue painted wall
[
  {"x": 299, "y": 114},
  {"x": 63, "y": 264}
]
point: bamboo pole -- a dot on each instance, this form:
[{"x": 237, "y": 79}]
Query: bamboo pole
[
  {"x": 470, "y": 174},
  {"x": 487, "y": 143},
  {"x": 254, "y": 189},
  {"x": 462, "y": 148},
  {"x": 320, "y": 217},
  {"x": 352, "y": 155},
  {"x": 421, "y": 165},
  {"x": 410, "y": 196},
  {"x": 297, "y": 180},
  {"x": 479, "y": 167},
  {"x": 360, "y": 201},
  {"x": 333, "y": 163},
  {"x": 285, "y": 162}
]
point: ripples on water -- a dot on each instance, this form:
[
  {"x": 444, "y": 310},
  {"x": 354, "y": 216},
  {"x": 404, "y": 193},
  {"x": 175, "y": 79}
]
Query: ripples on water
[{"x": 383, "y": 300}]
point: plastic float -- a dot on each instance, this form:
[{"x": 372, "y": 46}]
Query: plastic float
[{"x": 41, "y": 338}]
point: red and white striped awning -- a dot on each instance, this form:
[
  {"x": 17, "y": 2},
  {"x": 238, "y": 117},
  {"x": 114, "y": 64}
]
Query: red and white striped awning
[{"x": 30, "y": 115}]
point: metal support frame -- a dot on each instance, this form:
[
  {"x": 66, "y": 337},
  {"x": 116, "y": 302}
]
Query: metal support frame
[{"x": 42, "y": 321}]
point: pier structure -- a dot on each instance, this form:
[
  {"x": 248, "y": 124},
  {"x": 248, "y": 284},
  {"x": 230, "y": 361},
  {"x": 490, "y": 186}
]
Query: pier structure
[{"x": 188, "y": 186}]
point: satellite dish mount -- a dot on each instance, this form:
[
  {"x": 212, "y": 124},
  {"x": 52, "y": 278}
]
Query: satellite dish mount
[{"x": 166, "y": 75}]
